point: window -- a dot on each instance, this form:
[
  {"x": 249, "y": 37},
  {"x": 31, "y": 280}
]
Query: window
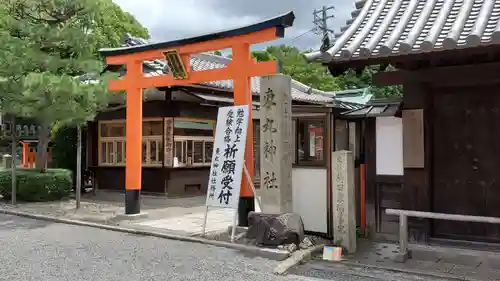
[
  {"x": 151, "y": 151},
  {"x": 310, "y": 141},
  {"x": 307, "y": 142},
  {"x": 112, "y": 143},
  {"x": 152, "y": 128},
  {"x": 113, "y": 129},
  {"x": 193, "y": 142},
  {"x": 152, "y": 143},
  {"x": 193, "y": 127},
  {"x": 191, "y": 151}
]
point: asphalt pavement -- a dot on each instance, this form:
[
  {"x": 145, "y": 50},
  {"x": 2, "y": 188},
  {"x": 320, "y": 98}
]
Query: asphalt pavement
[{"x": 41, "y": 250}]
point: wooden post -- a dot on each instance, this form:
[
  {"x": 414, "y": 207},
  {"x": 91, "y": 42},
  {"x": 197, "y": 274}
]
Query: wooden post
[
  {"x": 13, "y": 135},
  {"x": 416, "y": 193},
  {"x": 78, "y": 166},
  {"x": 133, "y": 164}
]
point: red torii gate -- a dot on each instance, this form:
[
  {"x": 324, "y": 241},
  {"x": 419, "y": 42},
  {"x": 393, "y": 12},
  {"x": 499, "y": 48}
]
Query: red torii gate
[{"x": 178, "y": 54}]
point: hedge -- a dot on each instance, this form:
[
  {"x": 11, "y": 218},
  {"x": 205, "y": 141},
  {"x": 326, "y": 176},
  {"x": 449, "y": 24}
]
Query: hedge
[{"x": 33, "y": 186}]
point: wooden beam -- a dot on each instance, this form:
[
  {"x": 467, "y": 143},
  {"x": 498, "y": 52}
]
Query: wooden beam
[
  {"x": 407, "y": 59},
  {"x": 459, "y": 75},
  {"x": 389, "y": 78},
  {"x": 195, "y": 77},
  {"x": 446, "y": 76}
]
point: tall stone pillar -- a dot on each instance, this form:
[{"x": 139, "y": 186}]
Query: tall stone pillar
[
  {"x": 344, "y": 201},
  {"x": 276, "y": 144}
]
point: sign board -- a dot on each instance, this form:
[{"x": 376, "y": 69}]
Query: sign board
[
  {"x": 228, "y": 157},
  {"x": 169, "y": 141},
  {"x": 413, "y": 138}
]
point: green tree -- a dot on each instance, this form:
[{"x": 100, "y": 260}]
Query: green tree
[
  {"x": 353, "y": 80},
  {"x": 294, "y": 64},
  {"x": 112, "y": 23},
  {"x": 317, "y": 76},
  {"x": 50, "y": 65}
]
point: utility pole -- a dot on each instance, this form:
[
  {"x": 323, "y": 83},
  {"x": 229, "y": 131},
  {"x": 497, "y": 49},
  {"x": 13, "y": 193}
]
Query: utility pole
[{"x": 321, "y": 26}]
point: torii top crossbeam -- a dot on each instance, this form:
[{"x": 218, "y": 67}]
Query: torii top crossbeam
[{"x": 241, "y": 69}]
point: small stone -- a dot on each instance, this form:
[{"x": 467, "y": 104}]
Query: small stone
[
  {"x": 289, "y": 247},
  {"x": 306, "y": 243}
]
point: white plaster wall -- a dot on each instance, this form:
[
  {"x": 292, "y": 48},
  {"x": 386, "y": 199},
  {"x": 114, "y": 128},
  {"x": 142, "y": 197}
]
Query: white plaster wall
[
  {"x": 389, "y": 146},
  {"x": 309, "y": 197}
]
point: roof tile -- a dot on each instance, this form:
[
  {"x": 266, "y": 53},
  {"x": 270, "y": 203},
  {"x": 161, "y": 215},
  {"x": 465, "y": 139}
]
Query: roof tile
[{"x": 382, "y": 28}]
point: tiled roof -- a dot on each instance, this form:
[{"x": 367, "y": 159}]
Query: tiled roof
[
  {"x": 199, "y": 62},
  {"x": 382, "y": 28},
  {"x": 375, "y": 109}
]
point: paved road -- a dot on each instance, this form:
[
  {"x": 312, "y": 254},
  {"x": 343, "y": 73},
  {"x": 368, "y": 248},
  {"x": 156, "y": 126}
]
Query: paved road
[{"x": 39, "y": 250}]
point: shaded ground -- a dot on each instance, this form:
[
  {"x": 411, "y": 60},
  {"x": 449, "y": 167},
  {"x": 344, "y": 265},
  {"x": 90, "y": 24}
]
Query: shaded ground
[
  {"x": 39, "y": 250},
  {"x": 182, "y": 216}
]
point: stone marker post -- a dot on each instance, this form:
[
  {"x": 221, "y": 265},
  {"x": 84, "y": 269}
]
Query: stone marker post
[
  {"x": 276, "y": 144},
  {"x": 344, "y": 209},
  {"x": 7, "y": 161}
]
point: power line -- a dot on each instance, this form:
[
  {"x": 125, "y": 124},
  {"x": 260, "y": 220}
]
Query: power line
[{"x": 300, "y": 35}]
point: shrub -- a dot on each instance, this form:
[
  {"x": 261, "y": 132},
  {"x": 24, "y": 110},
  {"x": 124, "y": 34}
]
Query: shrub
[{"x": 33, "y": 186}]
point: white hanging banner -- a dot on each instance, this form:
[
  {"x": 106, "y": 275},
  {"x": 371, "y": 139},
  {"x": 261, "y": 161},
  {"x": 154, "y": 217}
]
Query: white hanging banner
[{"x": 228, "y": 157}]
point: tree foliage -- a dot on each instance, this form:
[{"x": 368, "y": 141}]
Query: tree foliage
[
  {"x": 353, "y": 80},
  {"x": 50, "y": 65},
  {"x": 293, "y": 64},
  {"x": 317, "y": 76}
]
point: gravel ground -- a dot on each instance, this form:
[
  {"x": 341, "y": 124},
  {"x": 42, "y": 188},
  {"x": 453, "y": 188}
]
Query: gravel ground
[{"x": 39, "y": 250}]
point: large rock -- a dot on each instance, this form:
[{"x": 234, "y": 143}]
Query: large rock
[{"x": 275, "y": 229}]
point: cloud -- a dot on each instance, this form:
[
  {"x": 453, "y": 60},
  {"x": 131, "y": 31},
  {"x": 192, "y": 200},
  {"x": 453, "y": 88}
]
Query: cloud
[{"x": 173, "y": 19}]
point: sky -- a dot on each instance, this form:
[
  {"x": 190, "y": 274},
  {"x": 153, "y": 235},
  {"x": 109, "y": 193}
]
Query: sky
[{"x": 174, "y": 19}]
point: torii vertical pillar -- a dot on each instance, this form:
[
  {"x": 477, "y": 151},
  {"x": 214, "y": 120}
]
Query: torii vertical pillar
[
  {"x": 243, "y": 96},
  {"x": 133, "y": 146}
]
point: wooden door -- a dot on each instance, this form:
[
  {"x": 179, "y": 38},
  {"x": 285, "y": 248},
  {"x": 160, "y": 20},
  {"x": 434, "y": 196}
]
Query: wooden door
[{"x": 466, "y": 160}]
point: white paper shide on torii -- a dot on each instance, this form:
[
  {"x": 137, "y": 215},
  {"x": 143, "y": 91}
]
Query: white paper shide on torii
[{"x": 228, "y": 157}]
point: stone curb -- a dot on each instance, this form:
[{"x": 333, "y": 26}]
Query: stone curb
[
  {"x": 412, "y": 271},
  {"x": 348, "y": 269},
  {"x": 296, "y": 258},
  {"x": 262, "y": 252}
]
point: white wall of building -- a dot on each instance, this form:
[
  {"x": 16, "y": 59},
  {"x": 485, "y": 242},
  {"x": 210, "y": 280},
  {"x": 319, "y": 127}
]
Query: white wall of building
[
  {"x": 309, "y": 198},
  {"x": 389, "y": 145}
]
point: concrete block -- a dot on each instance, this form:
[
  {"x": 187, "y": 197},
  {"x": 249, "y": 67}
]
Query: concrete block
[
  {"x": 132, "y": 217},
  {"x": 402, "y": 257}
]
